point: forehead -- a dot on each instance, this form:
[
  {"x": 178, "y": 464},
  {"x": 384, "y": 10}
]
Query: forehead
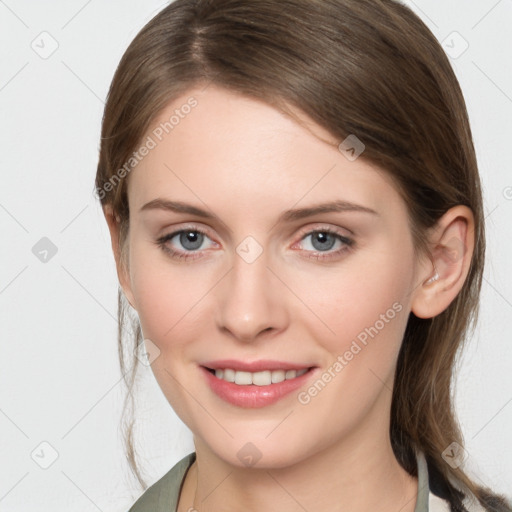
[{"x": 215, "y": 145}]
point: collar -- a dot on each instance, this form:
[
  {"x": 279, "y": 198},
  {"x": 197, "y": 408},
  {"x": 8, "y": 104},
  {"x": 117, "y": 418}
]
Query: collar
[{"x": 164, "y": 494}]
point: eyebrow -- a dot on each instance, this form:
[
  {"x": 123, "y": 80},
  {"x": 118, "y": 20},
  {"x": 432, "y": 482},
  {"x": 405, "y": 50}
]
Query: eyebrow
[{"x": 287, "y": 216}]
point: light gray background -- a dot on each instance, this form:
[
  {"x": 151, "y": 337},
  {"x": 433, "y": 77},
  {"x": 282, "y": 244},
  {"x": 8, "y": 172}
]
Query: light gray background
[{"x": 60, "y": 378}]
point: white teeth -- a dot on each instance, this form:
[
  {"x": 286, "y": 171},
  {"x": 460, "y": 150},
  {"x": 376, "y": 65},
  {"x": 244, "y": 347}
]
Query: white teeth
[
  {"x": 229, "y": 375},
  {"x": 291, "y": 374},
  {"x": 262, "y": 378},
  {"x": 278, "y": 376},
  {"x": 243, "y": 378}
]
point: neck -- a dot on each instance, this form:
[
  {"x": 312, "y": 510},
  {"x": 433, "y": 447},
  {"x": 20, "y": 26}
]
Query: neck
[{"x": 359, "y": 474}]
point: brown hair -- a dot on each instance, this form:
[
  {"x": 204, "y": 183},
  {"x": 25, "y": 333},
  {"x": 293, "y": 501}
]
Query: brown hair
[{"x": 366, "y": 67}]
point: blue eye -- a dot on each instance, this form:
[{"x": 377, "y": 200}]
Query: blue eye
[
  {"x": 323, "y": 240},
  {"x": 192, "y": 240}
]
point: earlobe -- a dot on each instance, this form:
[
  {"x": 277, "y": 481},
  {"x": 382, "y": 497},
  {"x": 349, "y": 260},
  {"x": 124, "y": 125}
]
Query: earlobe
[
  {"x": 444, "y": 276},
  {"x": 114, "y": 224}
]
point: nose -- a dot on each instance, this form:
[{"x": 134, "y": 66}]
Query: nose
[{"x": 251, "y": 300}]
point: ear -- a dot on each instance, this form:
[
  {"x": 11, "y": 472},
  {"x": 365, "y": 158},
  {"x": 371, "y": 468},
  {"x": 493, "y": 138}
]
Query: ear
[
  {"x": 122, "y": 266},
  {"x": 452, "y": 241}
]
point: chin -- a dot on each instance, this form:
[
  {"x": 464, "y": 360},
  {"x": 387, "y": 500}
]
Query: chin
[{"x": 260, "y": 454}]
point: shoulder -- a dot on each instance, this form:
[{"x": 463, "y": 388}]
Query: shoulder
[{"x": 163, "y": 494}]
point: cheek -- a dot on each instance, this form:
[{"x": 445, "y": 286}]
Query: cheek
[
  {"x": 170, "y": 305},
  {"x": 366, "y": 315},
  {"x": 364, "y": 303},
  {"x": 168, "y": 296}
]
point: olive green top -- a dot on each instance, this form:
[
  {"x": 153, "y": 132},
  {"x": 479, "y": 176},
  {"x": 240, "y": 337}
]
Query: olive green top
[{"x": 164, "y": 494}]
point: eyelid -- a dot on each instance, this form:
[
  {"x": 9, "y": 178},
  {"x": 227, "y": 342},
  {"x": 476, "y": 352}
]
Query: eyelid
[
  {"x": 306, "y": 230},
  {"x": 348, "y": 244},
  {"x": 324, "y": 227},
  {"x": 173, "y": 231},
  {"x": 347, "y": 241}
]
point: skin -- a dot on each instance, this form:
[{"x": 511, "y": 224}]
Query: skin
[{"x": 247, "y": 163}]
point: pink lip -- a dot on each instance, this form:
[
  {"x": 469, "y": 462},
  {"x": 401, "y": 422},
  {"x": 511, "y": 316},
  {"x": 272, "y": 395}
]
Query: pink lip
[
  {"x": 252, "y": 396},
  {"x": 254, "y": 366}
]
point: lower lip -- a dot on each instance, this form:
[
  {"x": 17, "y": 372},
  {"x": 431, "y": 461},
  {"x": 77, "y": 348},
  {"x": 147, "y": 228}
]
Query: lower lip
[{"x": 252, "y": 396}]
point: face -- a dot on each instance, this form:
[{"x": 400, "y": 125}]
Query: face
[{"x": 233, "y": 266}]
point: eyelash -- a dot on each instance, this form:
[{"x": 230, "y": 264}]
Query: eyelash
[{"x": 318, "y": 255}]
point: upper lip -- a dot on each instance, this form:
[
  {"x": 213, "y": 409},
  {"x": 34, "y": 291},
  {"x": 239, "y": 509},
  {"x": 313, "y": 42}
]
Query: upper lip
[{"x": 254, "y": 366}]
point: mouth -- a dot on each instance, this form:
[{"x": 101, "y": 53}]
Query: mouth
[
  {"x": 255, "y": 385},
  {"x": 259, "y": 378}
]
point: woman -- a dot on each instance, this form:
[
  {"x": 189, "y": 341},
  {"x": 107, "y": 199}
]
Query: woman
[{"x": 296, "y": 216}]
